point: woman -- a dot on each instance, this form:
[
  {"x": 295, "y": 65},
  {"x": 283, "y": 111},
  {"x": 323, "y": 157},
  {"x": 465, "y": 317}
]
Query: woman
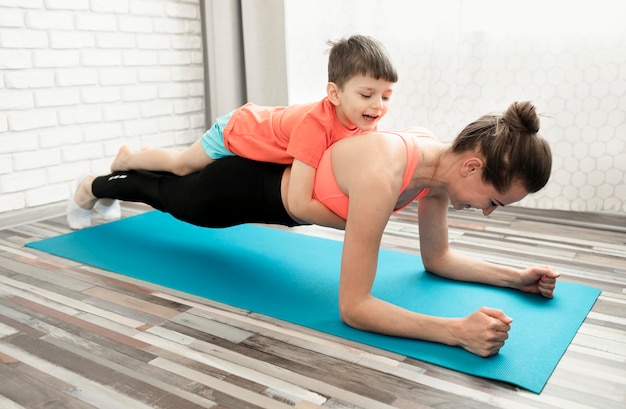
[{"x": 495, "y": 161}]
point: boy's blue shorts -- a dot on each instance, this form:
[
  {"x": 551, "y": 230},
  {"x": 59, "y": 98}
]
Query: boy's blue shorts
[{"x": 213, "y": 139}]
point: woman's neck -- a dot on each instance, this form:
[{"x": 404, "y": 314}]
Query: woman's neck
[{"x": 434, "y": 165}]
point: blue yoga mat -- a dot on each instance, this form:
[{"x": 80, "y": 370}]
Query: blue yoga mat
[{"x": 295, "y": 278}]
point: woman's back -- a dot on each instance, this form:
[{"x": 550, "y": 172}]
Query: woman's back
[{"x": 392, "y": 155}]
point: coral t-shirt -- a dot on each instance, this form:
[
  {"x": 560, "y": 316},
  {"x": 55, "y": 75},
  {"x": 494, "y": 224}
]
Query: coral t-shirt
[{"x": 280, "y": 134}]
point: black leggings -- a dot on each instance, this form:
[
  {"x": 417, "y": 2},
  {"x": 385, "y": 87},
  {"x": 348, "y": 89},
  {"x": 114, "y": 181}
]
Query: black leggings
[{"x": 227, "y": 192}]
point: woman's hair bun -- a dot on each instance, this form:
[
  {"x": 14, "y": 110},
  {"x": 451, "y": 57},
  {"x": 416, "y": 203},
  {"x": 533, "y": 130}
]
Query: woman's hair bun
[{"x": 522, "y": 117}]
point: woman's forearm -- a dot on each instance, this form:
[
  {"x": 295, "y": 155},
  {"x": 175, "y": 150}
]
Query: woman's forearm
[
  {"x": 458, "y": 266},
  {"x": 482, "y": 332}
]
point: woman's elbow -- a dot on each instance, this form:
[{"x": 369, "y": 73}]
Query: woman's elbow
[
  {"x": 429, "y": 264},
  {"x": 433, "y": 263},
  {"x": 349, "y": 315}
]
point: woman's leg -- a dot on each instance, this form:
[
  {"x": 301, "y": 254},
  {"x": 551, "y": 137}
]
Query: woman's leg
[{"x": 228, "y": 192}]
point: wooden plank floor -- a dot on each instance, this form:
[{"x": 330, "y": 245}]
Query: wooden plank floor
[{"x": 73, "y": 336}]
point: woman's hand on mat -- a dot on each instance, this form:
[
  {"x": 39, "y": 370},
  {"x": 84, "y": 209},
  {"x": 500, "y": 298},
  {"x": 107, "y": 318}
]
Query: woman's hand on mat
[
  {"x": 539, "y": 280},
  {"x": 484, "y": 331}
]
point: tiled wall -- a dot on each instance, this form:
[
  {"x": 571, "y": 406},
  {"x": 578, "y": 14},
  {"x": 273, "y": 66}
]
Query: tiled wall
[
  {"x": 80, "y": 77},
  {"x": 459, "y": 59}
]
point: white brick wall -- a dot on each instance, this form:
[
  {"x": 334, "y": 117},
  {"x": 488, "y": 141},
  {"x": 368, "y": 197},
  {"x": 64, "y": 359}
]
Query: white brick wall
[{"x": 79, "y": 78}]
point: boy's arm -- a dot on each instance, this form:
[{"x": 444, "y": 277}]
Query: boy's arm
[{"x": 300, "y": 198}]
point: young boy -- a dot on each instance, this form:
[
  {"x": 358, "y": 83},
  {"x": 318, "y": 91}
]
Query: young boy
[{"x": 360, "y": 81}]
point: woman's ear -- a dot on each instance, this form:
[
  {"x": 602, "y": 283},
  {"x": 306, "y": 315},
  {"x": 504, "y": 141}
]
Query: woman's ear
[
  {"x": 332, "y": 91},
  {"x": 471, "y": 165}
]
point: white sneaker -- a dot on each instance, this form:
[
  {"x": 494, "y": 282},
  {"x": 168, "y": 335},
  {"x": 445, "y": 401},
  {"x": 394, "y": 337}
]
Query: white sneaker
[
  {"x": 110, "y": 212},
  {"x": 77, "y": 217}
]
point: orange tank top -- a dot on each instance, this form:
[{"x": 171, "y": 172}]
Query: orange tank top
[{"x": 327, "y": 191}]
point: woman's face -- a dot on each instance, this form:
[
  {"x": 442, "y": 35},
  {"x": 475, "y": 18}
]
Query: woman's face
[{"x": 472, "y": 192}]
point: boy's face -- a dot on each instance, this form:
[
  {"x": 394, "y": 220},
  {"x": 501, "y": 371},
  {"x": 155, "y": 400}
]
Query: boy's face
[{"x": 362, "y": 102}]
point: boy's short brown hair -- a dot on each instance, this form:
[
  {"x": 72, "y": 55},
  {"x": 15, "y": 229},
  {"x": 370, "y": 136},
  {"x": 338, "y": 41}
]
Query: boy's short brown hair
[{"x": 359, "y": 55}]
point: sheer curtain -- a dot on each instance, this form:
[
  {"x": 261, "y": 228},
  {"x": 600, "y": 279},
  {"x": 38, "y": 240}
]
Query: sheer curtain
[{"x": 244, "y": 58}]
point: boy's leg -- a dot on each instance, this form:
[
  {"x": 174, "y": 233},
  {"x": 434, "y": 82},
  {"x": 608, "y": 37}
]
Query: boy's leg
[
  {"x": 201, "y": 153},
  {"x": 180, "y": 163},
  {"x": 192, "y": 159}
]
